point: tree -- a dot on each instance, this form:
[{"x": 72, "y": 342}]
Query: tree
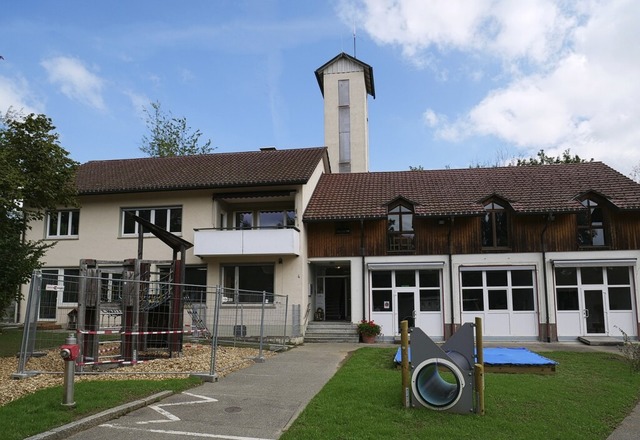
[
  {"x": 36, "y": 175},
  {"x": 170, "y": 136},
  {"x": 543, "y": 159}
]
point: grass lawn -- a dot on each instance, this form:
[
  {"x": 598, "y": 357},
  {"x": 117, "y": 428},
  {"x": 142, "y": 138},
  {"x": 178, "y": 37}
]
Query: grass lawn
[
  {"x": 586, "y": 398},
  {"x": 11, "y": 339},
  {"x": 43, "y": 410}
]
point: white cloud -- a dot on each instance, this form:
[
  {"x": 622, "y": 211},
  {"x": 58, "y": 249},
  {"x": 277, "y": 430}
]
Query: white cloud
[
  {"x": 75, "y": 80},
  {"x": 138, "y": 103},
  {"x": 16, "y": 95},
  {"x": 570, "y": 69},
  {"x": 431, "y": 118}
]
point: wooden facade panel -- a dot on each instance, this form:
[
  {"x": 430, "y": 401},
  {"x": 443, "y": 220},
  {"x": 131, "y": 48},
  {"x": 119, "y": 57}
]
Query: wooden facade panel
[{"x": 432, "y": 236}]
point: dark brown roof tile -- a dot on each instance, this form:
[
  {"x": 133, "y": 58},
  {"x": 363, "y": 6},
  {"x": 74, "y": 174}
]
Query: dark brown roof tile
[
  {"x": 220, "y": 170},
  {"x": 527, "y": 189}
]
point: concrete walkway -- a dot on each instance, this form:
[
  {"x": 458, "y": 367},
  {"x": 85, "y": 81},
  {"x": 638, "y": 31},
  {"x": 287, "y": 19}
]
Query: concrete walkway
[{"x": 257, "y": 403}]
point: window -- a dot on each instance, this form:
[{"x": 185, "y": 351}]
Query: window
[
  {"x": 572, "y": 280},
  {"x": 111, "y": 287},
  {"x": 265, "y": 219},
  {"x": 66, "y": 280},
  {"x": 343, "y": 228},
  {"x": 63, "y": 224},
  {"x": 381, "y": 294},
  {"x": 429, "y": 290},
  {"x": 400, "y": 228},
  {"x": 495, "y": 226},
  {"x": 497, "y": 290},
  {"x": 344, "y": 127},
  {"x": 246, "y": 283},
  {"x": 195, "y": 281},
  {"x": 167, "y": 218},
  {"x": 591, "y": 225}
]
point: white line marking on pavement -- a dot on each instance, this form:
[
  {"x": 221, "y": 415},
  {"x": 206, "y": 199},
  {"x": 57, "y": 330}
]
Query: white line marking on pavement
[
  {"x": 183, "y": 433},
  {"x": 172, "y": 417}
]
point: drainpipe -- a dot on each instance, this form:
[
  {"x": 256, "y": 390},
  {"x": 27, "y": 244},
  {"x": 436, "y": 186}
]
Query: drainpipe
[
  {"x": 550, "y": 218},
  {"x": 364, "y": 293},
  {"x": 451, "y": 220}
]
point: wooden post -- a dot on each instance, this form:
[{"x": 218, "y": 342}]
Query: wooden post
[
  {"x": 404, "y": 351},
  {"x": 479, "y": 367}
]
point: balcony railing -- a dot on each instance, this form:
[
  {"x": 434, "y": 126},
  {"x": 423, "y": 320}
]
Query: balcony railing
[{"x": 255, "y": 241}]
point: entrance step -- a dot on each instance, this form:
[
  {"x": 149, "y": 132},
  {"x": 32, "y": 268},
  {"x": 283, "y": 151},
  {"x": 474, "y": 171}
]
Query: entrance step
[
  {"x": 331, "y": 331},
  {"x": 600, "y": 340}
]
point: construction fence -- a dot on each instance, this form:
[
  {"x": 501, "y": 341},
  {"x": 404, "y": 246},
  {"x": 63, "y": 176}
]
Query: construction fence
[{"x": 130, "y": 317}]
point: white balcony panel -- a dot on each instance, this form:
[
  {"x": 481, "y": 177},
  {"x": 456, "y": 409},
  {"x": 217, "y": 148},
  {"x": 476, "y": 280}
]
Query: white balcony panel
[{"x": 214, "y": 242}]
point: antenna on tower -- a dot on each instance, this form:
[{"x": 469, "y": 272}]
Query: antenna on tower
[{"x": 354, "y": 40}]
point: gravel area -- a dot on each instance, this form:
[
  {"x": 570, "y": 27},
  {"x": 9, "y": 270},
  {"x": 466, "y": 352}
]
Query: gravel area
[{"x": 196, "y": 358}]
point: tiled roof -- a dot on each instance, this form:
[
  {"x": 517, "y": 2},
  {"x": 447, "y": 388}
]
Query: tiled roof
[
  {"x": 527, "y": 189},
  {"x": 220, "y": 170}
]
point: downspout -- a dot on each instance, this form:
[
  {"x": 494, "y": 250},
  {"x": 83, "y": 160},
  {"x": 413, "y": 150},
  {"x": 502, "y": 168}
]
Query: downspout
[
  {"x": 450, "y": 246},
  {"x": 550, "y": 218},
  {"x": 364, "y": 294}
]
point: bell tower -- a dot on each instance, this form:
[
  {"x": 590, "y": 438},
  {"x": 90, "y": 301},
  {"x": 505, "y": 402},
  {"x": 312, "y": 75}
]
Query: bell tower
[{"x": 345, "y": 83}]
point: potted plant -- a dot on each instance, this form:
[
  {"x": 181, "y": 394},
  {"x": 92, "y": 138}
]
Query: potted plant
[{"x": 368, "y": 331}]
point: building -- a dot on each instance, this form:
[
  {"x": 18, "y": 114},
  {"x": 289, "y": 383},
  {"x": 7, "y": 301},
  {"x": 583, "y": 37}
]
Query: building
[
  {"x": 241, "y": 211},
  {"x": 539, "y": 252}
]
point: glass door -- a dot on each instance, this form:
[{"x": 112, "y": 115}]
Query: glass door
[
  {"x": 406, "y": 308},
  {"x": 594, "y": 311}
]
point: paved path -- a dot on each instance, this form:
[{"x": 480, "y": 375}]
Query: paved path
[{"x": 259, "y": 402}]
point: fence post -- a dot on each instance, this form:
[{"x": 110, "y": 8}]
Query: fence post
[
  {"x": 286, "y": 316},
  {"x": 212, "y": 376},
  {"x": 27, "y": 346},
  {"x": 260, "y": 357}
]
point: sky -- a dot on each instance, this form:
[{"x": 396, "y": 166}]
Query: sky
[{"x": 458, "y": 83}]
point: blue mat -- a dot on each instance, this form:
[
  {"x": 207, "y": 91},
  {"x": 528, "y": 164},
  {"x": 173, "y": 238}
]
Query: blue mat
[{"x": 502, "y": 356}]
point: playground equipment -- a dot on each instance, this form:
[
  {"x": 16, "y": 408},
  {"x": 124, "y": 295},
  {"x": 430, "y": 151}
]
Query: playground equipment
[{"x": 442, "y": 378}]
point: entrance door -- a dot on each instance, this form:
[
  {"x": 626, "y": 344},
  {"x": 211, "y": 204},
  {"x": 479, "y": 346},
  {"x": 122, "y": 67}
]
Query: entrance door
[
  {"x": 337, "y": 307},
  {"x": 406, "y": 308},
  {"x": 594, "y": 312}
]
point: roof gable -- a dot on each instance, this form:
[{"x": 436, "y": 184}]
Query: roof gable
[
  {"x": 346, "y": 63},
  {"x": 460, "y": 192},
  {"x": 219, "y": 170}
]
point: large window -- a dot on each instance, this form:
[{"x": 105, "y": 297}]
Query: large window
[
  {"x": 195, "y": 289},
  {"x": 245, "y": 283},
  {"x": 64, "y": 280},
  {"x": 495, "y": 290},
  {"x": 495, "y": 228},
  {"x": 615, "y": 279},
  {"x": 63, "y": 224},
  {"x": 400, "y": 228},
  {"x": 384, "y": 282},
  {"x": 168, "y": 218},
  {"x": 591, "y": 225},
  {"x": 265, "y": 219}
]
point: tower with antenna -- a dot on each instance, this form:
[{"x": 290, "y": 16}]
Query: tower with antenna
[{"x": 346, "y": 83}]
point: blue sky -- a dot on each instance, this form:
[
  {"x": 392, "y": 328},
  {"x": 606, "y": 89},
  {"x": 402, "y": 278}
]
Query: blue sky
[{"x": 458, "y": 83}]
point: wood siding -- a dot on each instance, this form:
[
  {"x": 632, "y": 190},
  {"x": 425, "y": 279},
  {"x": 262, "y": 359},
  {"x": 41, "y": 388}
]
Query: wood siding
[{"x": 622, "y": 231}]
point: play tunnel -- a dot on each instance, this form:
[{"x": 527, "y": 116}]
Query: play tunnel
[{"x": 442, "y": 377}]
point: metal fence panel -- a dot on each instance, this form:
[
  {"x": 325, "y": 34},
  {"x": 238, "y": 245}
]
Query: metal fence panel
[{"x": 123, "y": 320}]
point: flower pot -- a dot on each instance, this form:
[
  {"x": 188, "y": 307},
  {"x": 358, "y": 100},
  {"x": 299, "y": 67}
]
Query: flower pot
[{"x": 368, "y": 339}]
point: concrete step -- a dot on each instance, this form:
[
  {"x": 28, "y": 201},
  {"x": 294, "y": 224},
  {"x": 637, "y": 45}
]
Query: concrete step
[{"x": 331, "y": 331}]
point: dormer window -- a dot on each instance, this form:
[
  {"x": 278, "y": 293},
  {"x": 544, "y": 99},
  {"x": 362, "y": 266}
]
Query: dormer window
[
  {"x": 400, "y": 228},
  {"x": 495, "y": 226},
  {"x": 591, "y": 224}
]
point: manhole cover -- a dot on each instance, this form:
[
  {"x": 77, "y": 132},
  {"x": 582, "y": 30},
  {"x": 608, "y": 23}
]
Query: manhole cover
[{"x": 233, "y": 409}]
